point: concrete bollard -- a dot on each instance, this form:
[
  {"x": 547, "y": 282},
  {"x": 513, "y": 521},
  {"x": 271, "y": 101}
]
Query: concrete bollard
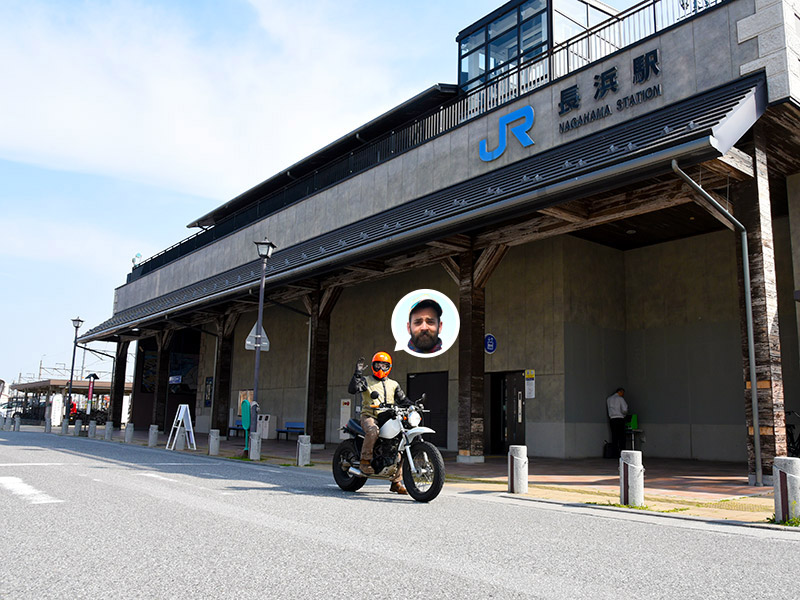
[
  {"x": 92, "y": 429},
  {"x": 78, "y": 426},
  {"x": 631, "y": 478},
  {"x": 786, "y": 481},
  {"x": 17, "y": 422},
  {"x": 48, "y": 425},
  {"x": 518, "y": 470},
  {"x": 152, "y": 436},
  {"x": 255, "y": 446},
  {"x": 303, "y": 450},
  {"x": 65, "y": 427},
  {"x": 180, "y": 440},
  {"x": 213, "y": 442},
  {"x": 108, "y": 435},
  {"x": 129, "y": 433}
]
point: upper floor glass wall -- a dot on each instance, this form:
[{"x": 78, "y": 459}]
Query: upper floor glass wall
[{"x": 520, "y": 31}]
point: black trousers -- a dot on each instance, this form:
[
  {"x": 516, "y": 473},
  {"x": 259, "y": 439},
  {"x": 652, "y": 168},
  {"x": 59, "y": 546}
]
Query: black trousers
[{"x": 618, "y": 433}]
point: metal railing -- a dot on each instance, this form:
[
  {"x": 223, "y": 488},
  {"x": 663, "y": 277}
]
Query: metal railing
[{"x": 621, "y": 31}]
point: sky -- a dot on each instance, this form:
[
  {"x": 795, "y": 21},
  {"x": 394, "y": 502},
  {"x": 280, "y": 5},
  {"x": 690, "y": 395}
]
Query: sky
[{"x": 121, "y": 121}]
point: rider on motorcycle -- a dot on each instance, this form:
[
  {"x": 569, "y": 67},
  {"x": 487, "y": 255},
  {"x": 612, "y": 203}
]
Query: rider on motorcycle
[{"x": 389, "y": 392}]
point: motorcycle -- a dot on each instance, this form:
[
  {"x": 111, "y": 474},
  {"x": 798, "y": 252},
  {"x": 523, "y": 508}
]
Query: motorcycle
[{"x": 399, "y": 444}]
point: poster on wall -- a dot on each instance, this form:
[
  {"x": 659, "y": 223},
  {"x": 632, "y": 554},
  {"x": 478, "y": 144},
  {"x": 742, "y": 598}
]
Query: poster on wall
[
  {"x": 243, "y": 395},
  {"x": 208, "y": 392},
  {"x": 530, "y": 384}
]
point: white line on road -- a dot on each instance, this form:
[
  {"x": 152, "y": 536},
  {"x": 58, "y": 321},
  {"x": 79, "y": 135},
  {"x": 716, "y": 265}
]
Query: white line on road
[
  {"x": 155, "y": 476},
  {"x": 16, "y": 486},
  {"x": 34, "y": 464}
]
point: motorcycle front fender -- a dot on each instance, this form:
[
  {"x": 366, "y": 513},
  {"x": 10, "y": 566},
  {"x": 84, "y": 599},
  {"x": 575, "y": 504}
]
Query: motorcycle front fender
[{"x": 415, "y": 432}]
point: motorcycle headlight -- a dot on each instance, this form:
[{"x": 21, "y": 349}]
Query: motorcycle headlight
[{"x": 414, "y": 418}]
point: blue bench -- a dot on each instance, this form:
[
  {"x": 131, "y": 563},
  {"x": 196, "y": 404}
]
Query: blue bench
[
  {"x": 237, "y": 427},
  {"x": 298, "y": 427}
]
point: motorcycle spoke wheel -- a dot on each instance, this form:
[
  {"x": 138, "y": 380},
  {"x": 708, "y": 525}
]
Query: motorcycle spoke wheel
[
  {"x": 346, "y": 455},
  {"x": 427, "y": 482}
]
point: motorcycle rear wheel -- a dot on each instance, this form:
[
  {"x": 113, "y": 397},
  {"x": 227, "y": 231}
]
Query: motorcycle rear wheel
[
  {"x": 347, "y": 455},
  {"x": 427, "y": 482}
]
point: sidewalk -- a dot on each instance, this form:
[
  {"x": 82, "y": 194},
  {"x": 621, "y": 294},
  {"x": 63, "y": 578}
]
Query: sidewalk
[{"x": 709, "y": 490}]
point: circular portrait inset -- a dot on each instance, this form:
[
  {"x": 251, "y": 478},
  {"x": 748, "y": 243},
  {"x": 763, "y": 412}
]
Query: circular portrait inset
[{"x": 425, "y": 323}]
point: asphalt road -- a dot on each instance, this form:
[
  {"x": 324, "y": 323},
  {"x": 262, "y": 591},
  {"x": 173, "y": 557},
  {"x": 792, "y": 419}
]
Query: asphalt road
[{"x": 92, "y": 519}]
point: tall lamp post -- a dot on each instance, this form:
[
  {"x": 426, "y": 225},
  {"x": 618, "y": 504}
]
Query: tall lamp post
[
  {"x": 76, "y": 322},
  {"x": 265, "y": 250}
]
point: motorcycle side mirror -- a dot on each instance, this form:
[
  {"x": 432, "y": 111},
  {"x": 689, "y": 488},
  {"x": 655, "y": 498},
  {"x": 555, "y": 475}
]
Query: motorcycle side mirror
[
  {"x": 374, "y": 395},
  {"x": 422, "y": 397}
]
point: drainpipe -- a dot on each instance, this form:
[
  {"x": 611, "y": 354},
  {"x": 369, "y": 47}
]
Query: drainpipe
[{"x": 748, "y": 312}]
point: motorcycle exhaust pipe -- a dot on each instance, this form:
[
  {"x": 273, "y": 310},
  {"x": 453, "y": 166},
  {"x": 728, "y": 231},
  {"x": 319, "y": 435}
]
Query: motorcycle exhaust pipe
[{"x": 356, "y": 472}]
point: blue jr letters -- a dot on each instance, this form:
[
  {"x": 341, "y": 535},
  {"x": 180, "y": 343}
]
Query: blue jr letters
[{"x": 520, "y": 132}]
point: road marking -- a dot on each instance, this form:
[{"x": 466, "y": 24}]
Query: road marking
[
  {"x": 214, "y": 475},
  {"x": 35, "y": 464},
  {"x": 156, "y": 476},
  {"x": 16, "y": 486}
]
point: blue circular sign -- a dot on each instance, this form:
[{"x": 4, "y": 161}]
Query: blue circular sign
[{"x": 489, "y": 343}]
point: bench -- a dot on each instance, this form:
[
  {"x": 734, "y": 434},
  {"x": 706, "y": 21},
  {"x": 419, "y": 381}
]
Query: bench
[
  {"x": 237, "y": 427},
  {"x": 298, "y": 427}
]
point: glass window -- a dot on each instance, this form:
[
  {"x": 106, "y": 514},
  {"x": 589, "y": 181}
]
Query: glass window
[
  {"x": 535, "y": 52},
  {"x": 473, "y": 65},
  {"x": 502, "y": 24},
  {"x": 564, "y": 28},
  {"x": 596, "y": 16},
  {"x": 531, "y": 7},
  {"x": 469, "y": 44},
  {"x": 534, "y": 32},
  {"x": 505, "y": 68},
  {"x": 574, "y": 9},
  {"x": 503, "y": 49}
]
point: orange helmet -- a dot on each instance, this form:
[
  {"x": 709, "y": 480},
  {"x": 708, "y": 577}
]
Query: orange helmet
[{"x": 381, "y": 365}]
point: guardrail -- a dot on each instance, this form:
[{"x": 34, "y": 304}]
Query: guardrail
[{"x": 627, "y": 28}]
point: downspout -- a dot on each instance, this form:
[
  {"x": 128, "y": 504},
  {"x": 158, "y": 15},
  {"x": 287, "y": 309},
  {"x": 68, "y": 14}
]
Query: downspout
[{"x": 748, "y": 307}]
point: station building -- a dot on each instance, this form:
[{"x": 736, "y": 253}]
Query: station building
[{"x": 579, "y": 193}]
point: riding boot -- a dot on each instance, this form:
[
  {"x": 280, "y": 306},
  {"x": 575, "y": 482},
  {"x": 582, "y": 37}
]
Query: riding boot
[
  {"x": 366, "y": 468},
  {"x": 398, "y": 488}
]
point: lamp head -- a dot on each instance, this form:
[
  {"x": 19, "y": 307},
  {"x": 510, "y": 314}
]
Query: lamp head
[
  {"x": 77, "y": 322},
  {"x": 265, "y": 248}
]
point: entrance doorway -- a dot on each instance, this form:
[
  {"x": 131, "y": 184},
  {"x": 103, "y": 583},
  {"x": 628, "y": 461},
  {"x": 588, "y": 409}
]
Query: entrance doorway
[
  {"x": 434, "y": 386},
  {"x": 507, "y": 393}
]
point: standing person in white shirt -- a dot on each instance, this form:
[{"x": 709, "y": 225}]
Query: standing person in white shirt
[{"x": 617, "y": 409}]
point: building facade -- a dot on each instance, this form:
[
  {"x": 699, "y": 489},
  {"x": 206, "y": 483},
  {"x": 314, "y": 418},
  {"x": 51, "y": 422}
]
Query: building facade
[{"x": 581, "y": 200}]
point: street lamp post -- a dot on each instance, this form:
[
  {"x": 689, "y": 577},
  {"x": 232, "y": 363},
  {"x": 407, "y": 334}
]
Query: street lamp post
[
  {"x": 76, "y": 322},
  {"x": 265, "y": 250}
]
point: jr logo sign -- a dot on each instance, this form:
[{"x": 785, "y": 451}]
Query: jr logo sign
[{"x": 520, "y": 131}]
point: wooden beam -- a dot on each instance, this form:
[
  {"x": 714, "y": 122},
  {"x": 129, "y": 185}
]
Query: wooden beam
[
  {"x": 604, "y": 210},
  {"x": 702, "y": 202},
  {"x": 456, "y": 243},
  {"x": 328, "y": 301},
  {"x": 487, "y": 262},
  {"x": 570, "y": 212},
  {"x": 451, "y": 267},
  {"x": 735, "y": 163}
]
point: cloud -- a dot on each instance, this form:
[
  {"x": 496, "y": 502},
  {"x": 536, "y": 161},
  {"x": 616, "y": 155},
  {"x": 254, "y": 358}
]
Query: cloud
[{"x": 133, "y": 91}]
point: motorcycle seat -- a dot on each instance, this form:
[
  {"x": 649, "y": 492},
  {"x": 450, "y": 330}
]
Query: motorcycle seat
[{"x": 355, "y": 427}]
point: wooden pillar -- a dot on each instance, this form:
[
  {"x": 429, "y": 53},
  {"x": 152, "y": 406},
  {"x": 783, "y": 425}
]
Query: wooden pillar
[
  {"x": 118, "y": 389},
  {"x": 320, "y": 305},
  {"x": 221, "y": 401},
  {"x": 474, "y": 272},
  {"x": 163, "y": 340},
  {"x": 753, "y": 209}
]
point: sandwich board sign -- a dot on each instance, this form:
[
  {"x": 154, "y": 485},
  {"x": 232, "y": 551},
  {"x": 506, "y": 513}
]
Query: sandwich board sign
[
  {"x": 183, "y": 418},
  {"x": 250, "y": 342}
]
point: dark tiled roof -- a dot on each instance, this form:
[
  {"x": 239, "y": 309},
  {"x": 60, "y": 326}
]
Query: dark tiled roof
[{"x": 482, "y": 197}]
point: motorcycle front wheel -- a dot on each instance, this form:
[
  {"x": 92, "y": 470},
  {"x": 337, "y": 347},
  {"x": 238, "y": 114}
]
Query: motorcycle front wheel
[
  {"x": 347, "y": 455},
  {"x": 427, "y": 482}
]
